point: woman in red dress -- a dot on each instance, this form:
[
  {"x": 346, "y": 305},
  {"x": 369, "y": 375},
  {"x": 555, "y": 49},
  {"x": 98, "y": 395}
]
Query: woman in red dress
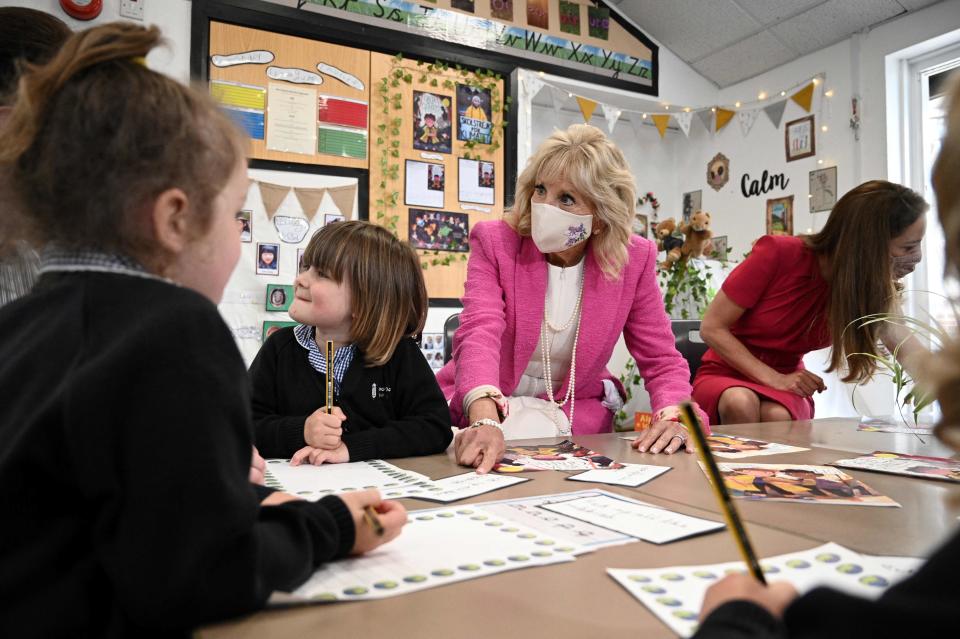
[{"x": 794, "y": 295}]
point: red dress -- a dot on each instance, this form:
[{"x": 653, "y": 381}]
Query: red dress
[{"x": 785, "y": 297}]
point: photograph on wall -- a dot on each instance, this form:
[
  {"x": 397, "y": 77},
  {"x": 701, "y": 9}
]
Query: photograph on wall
[
  {"x": 439, "y": 230},
  {"x": 538, "y": 14},
  {"x": 641, "y": 224},
  {"x": 268, "y": 259},
  {"x": 476, "y": 180},
  {"x": 720, "y": 248},
  {"x": 474, "y": 118},
  {"x": 780, "y": 216},
  {"x": 598, "y": 19},
  {"x": 279, "y": 297},
  {"x": 800, "y": 139},
  {"x": 692, "y": 202},
  {"x": 462, "y": 5},
  {"x": 718, "y": 172},
  {"x": 431, "y": 122},
  {"x": 245, "y": 218},
  {"x": 424, "y": 184},
  {"x": 431, "y": 345},
  {"x": 270, "y": 327},
  {"x": 330, "y": 218},
  {"x": 570, "y": 17},
  {"x": 300, "y": 259},
  {"x": 501, "y": 10},
  {"x": 823, "y": 189}
]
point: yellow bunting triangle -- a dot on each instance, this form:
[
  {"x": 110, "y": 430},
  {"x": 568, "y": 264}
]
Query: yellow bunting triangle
[
  {"x": 587, "y": 107},
  {"x": 661, "y": 120},
  {"x": 804, "y": 97},
  {"x": 723, "y": 118}
]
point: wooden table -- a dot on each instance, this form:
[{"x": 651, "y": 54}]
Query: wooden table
[{"x": 578, "y": 599}]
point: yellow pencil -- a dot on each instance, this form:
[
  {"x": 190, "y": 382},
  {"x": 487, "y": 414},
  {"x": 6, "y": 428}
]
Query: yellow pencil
[
  {"x": 329, "y": 403},
  {"x": 370, "y": 515},
  {"x": 734, "y": 523}
]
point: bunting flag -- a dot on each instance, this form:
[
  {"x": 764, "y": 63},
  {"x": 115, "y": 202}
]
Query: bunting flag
[
  {"x": 683, "y": 119},
  {"x": 309, "y": 201},
  {"x": 534, "y": 84},
  {"x": 636, "y": 123},
  {"x": 804, "y": 97},
  {"x": 661, "y": 120},
  {"x": 610, "y": 114},
  {"x": 747, "y": 119},
  {"x": 587, "y": 108},
  {"x": 723, "y": 117},
  {"x": 558, "y": 97},
  {"x": 273, "y": 196},
  {"x": 775, "y": 112},
  {"x": 342, "y": 197},
  {"x": 706, "y": 116}
]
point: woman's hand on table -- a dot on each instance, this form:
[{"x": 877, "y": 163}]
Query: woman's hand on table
[
  {"x": 801, "y": 382},
  {"x": 481, "y": 447},
  {"x": 774, "y": 598},
  {"x": 663, "y": 437}
]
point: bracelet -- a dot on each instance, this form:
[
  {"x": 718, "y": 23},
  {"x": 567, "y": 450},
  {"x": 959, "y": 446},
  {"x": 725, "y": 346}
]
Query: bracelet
[{"x": 486, "y": 421}]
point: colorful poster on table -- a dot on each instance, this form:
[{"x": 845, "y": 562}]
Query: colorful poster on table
[
  {"x": 291, "y": 126},
  {"x": 908, "y": 465},
  {"x": 424, "y": 183},
  {"x": 734, "y": 447},
  {"x": 439, "y": 230},
  {"x": 570, "y": 17},
  {"x": 474, "y": 116},
  {"x": 342, "y": 111},
  {"x": 563, "y": 456},
  {"x": 432, "y": 122},
  {"x": 476, "y": 180}
]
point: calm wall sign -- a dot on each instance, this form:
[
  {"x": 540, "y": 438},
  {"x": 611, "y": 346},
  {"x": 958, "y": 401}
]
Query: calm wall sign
[{"x": 765, "y": 184}]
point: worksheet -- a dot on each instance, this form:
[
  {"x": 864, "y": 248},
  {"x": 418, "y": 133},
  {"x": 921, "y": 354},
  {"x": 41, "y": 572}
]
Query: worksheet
[
  {"x": 635, "y": 518},
  {"x": 632, "y": 475},
  {"x": 453, "y": 488},
  {"x": 315, "y": 482},
  {"x": 675, "y": 594}
]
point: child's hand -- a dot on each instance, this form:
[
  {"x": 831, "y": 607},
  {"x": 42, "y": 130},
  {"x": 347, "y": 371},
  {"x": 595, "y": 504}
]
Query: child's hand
[
  {"x": 317, "y": 456},
  {"x": 257, "y": 467},
  {"x": 774, "y": 598},
  {"x": 392, "y": 516},
  {"x": 323, "y": 430}
]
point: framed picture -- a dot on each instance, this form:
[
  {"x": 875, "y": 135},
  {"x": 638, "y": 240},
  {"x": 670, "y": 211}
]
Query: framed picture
[
  {"x": 720, "y": 248},
  {"x": 300, "y": 259},
  {"x": 780, "y": 216},
  {"x": 823, "y": 189},
  {"x": 431, "y": 122},
  {"x": 244, "y": 217},
  {"x": 474, "y": 117},
  {"x": 641, "y": 224},
  {"x": 692, "y": 202},
  {"x": 268, "y": 259},
  {"x": 330, "y": 218},
  {"x": 279, "y": 297},
  {"x": 800, "y": 139},
  {"x": 271, "y": 327},
  {"x": 718, "y": 172},
  {"x": 431, "y": 345},
  {"x": 439, "y": 230}
]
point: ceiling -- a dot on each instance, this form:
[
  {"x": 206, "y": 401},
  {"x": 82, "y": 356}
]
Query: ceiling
[{"x": 727, "y": 41}]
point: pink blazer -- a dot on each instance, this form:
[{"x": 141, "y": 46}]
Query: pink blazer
[{"x": 500, "y": 325}]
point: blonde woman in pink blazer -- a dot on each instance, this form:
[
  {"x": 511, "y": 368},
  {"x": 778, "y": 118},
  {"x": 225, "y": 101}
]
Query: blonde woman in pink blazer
[{"x": 549, "y": 291}]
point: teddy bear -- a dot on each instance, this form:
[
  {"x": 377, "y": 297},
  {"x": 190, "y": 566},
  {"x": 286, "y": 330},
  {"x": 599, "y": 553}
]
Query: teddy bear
[
  {"x": 696, "y": 234},
  {"x": 668, "y": 240}
]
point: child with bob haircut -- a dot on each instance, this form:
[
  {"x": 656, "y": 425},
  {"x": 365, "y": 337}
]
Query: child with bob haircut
[
  {"x": 126, "y": 462},
  {"x": 363, "y": 288}
]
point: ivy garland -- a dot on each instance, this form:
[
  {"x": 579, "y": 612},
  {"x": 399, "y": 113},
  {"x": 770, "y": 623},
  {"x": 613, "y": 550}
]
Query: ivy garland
[{"x": 387, "y": 133}]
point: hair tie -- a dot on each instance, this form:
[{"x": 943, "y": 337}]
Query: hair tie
[{"x": 141, "y": 60}]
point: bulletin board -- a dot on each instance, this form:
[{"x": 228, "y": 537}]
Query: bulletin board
[{"x": 256, "y": 74}]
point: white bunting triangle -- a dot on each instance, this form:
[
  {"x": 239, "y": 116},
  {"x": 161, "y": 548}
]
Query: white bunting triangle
[
  {"x": 706, "y": 116},
  {"x": 533, "y": 84},
  {"x": 559, "y": 97},
  {"x": 683, "y": 119},
  {"x": 636, "y": 123},
  {"x": 775, "y": 112},
  {"x": 611, "y": 114},
  {"x": 746, "y": 118}
]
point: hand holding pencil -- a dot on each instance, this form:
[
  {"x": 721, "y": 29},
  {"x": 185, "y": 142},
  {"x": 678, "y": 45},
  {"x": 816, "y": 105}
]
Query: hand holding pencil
[{"x": 376, "y": 522}]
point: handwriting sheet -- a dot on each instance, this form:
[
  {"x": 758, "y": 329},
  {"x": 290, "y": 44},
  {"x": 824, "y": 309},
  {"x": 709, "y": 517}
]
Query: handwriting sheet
[
  {"x": 632, "y": 475},
  {"x": 675, "y": 594},
  {"x": 635, "y": 518},
  {"x": 437, "y": 547},
  {"x": 314, "y": 482},
  {"x": 456, "y": 487}
]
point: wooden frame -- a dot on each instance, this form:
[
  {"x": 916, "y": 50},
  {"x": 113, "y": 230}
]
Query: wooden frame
[
  {"x": 823, "y": 189},
  {"x": 796, "y": 127},
  {"x": 786, "y": 214}
]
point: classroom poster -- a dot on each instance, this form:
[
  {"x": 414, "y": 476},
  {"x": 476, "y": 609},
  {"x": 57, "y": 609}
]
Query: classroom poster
[
  {"x": 431, "y": 122},
  {"x": 800, "y": 483},
  {"x": 563, "y": 456},
  {"x": 538, "y": 14},
  {"x": 570, "y": 17},
  {"x": 439, "y": 230},
  {"x": 475, "y": 180},
  {"x": 598, "y": 19},
  {"x": 734, "y": 447},
  {"x": 474, "y": 117},
  {"x": 501, "y": 10},
  {"x": 291, "y": 125},
  {"x": 424, "y": 184}
]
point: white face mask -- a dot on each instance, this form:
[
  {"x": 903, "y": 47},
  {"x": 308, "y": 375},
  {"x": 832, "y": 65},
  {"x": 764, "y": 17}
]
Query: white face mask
[
  {"x": 903, "y": 265},
  {"x": 556, "y": 230}
]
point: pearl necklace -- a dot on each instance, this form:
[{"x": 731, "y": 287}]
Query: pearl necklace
[{"x": 545, "y": 343}]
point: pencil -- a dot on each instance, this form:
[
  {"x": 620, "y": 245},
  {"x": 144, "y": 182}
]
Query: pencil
[
  {"x": 734, "y": 523},
  {"x": 370, "y": 516},
  {"x": 329, "y": 402}
]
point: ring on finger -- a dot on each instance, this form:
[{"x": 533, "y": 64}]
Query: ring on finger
[{"x": 681, "y": 437}]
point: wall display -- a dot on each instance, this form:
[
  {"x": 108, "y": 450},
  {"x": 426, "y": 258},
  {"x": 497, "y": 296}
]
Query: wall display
[
  {"x": 767, "y": 182},
  {"x": 800, "y": 139},
  {"x": 348, "y": 79},
  {"x": 279, "y": 297},
  {"x": 342, "y": 111},
  {"x": 502, "y": 10},
  {"x": 692, "y": 202},
  {"x": 330, "y": 218},
  {"x": 641, "y": 224},
  {"x": 342, "y": 142},
  {"x": 431, "y": 345},
  {"x": 462, "y": 5},
  {"x": 570, "y": 17},
  {"x": 244, "y": 217},
  {"x": 291, "y": 229},
  {"x": 599, "y": 20},
  {"x": 538, "y": 14},
  {"x": 823, "y": 189},
  {"x": 295, "y": 76},
  {"x": 244, "y": 104},
  {"x": 718, "y": 171},
  {"x": 474, "y": 119},
  {"x": 780, "y": 216},
  {"x": 432, "y": 122},
  {"x": 720, "y": 247},
  {"x": 270, "y": 327},
  {"x": 476, "y": 181},
  {"x": 268, "y": 259},
  {"x": 424, "y": 184},
  {"x": 439, "y": 230},
  {"x": 247, "y": 57}
]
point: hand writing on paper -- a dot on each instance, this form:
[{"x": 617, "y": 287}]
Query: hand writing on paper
[
  {"x": 323, "y": 430},
  {"x": 665, "y": 437},
  {"x": 774, "y": 598},
  {"x": 481, "y": 447},
  {"x": 317, "y": 456},
  {"x": 257, "y": 468},
  {"x": 392, "y": 516}
]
